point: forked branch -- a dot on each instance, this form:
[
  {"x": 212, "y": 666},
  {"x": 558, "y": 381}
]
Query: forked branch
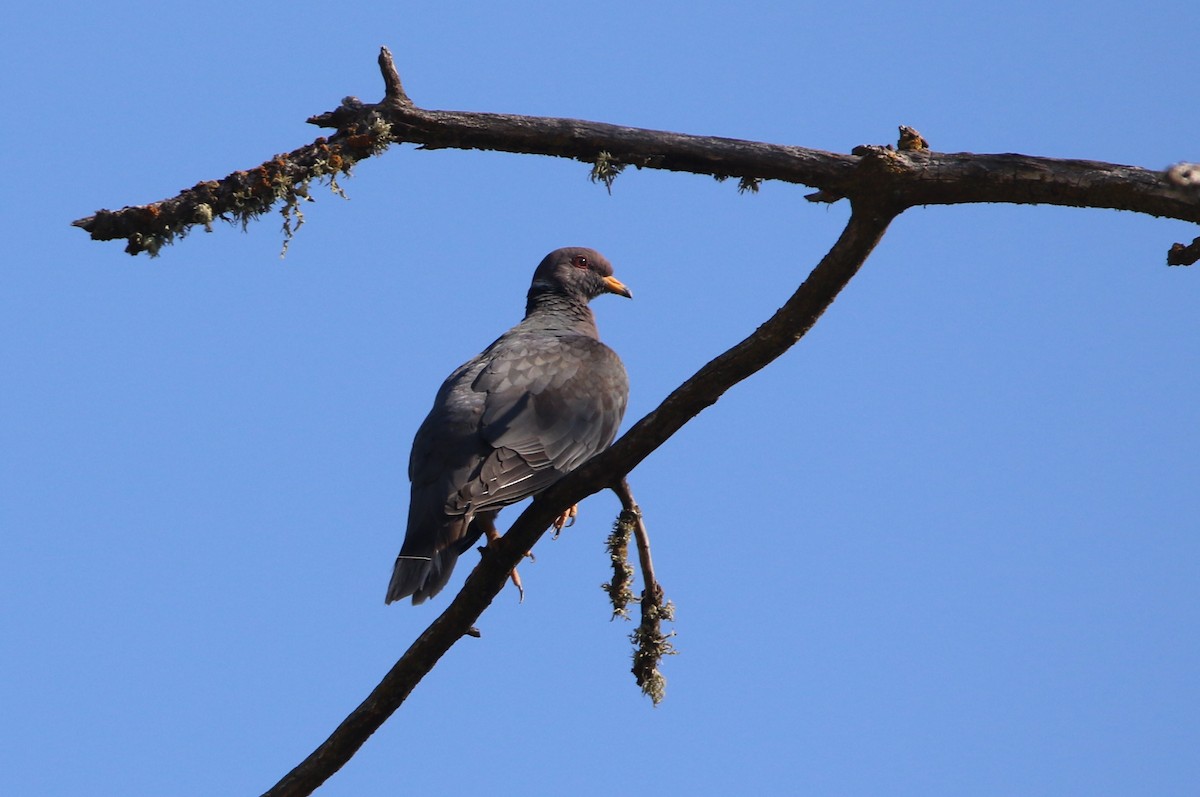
[{"x": 879, "y": 182}]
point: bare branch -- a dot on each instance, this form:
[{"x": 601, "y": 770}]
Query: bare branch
[
  {"x": 909, "y": 177},
  {"x": 779, "y": 333},
  {"x": 393, "y": 88},
  {"x": 1184, "y": 255}
]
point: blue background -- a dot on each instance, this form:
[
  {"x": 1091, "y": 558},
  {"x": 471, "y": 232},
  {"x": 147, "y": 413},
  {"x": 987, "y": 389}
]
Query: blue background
[{"x": 947, "y": 545}]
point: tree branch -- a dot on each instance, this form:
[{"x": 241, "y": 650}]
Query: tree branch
[
  {"x": 629, "y": 504},
  {"x": 909, "y": 177},
  {"x": 789, "y": 323}
]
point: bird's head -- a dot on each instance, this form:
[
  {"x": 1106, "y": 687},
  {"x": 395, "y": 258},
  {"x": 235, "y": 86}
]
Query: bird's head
[{"x": 577, "y": 272}]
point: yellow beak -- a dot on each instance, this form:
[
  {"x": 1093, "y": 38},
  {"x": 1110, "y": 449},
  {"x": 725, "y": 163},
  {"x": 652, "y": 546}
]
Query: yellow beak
[{"x": 614, "y": 285}]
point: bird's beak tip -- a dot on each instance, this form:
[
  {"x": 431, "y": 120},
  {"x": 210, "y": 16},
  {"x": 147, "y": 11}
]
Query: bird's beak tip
[{"x": 614, "y": 285}]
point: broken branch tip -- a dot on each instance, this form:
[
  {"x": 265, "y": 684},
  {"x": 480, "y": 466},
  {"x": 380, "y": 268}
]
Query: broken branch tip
[{"x": 393, "y": 87}]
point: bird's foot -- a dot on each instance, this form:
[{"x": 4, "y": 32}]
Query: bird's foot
[
  {"x": 493, "y": 539},
  {"x": 565, "y": 520},
  {"x": 515, "y": 578}
]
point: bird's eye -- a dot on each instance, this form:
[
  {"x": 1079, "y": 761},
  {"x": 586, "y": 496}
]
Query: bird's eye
[{"x": 579, "y": 261}]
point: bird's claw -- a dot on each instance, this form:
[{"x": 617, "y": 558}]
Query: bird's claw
[
  {"x": 493, "y": 539},
  {"x": 565, "y": 520}
]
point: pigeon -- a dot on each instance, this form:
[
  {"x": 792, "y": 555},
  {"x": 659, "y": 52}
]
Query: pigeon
[{"x": 539, "y": 402}]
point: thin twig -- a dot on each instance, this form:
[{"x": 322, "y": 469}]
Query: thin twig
[{"x": 625, "y": 495}]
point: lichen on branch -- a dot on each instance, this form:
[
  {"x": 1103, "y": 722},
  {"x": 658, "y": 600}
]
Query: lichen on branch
[
  {"x": 650, "y": 645},
  {"x": 244, "y": 196},
  {"x": 619, "y": 589}
]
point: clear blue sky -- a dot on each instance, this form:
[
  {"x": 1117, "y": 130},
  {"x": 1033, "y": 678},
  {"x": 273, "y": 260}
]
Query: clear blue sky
[{"x": 947, "y": 545}]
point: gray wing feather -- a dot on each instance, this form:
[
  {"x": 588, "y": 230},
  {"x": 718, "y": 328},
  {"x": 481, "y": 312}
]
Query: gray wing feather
[{"x": 553, "y": 403}]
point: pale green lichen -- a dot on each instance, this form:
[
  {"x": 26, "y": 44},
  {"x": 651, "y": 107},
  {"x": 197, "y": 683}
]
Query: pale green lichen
[
  {"x": 293, "y": 220},
  {"x": 203, "y": 214},
  {"x": 619, "y": 589},
  {"x": 244, "y": 196},
  {"x": 605, "y": 170},
  {"x": 380, "y": 131},
  {"x": 650, "y": 645}
]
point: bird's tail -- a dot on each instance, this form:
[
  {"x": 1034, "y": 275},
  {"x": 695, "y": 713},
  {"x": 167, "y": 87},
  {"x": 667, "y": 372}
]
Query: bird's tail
[
  {"x": 422, "y": 577},
  {"x": 421, "y": 572}
]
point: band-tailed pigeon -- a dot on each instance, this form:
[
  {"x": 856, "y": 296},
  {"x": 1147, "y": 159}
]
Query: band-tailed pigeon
[{"x": 536, "y": 404}]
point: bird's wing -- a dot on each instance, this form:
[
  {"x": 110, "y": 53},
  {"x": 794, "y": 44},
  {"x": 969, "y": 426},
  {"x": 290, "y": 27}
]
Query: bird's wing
[
  {"x": 550, "y": 404},
  {"x": 448, "y": 441},
  {"x": 446, "y": 453}
]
